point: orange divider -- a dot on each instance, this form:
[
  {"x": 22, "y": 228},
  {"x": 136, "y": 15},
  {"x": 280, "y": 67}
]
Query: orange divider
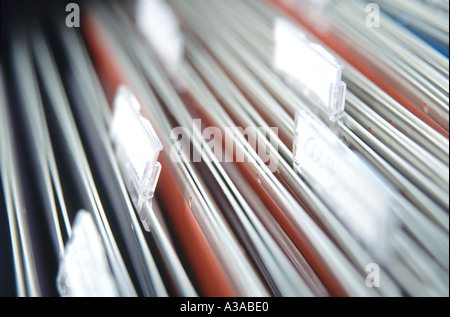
[{"x": 204, "y": 266}]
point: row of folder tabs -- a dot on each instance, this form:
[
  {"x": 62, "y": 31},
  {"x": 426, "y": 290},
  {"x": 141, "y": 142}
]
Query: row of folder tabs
[{"x": 239, "y": 148}]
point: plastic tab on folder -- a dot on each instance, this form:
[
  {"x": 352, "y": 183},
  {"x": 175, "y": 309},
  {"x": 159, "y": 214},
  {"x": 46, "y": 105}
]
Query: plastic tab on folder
[
  {"x": 360, "y": 199},
  {"x": 137, "y": 149},
  {"x": 309, "y": 68},
  {"x": 312, "y": 10},
  {"x": 84, "y": 270},
  {"x": 160, "y": 27}
]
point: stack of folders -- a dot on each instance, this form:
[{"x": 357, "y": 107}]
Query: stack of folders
[{"x": 239, "y": 148}]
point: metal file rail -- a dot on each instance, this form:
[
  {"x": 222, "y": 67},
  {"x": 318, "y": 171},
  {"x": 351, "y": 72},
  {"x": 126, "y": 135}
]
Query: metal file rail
[
  {"x": 428, "y": 17},
  {"x": 26, "y": 283},
  {"x": 423, "y": 80}
]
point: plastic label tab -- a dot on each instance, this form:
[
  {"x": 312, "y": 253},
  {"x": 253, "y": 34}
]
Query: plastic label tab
[
  {"x": 84, "y": 270},
  {"x": 137, "y": 149},
  {"x": 309, "y": 68},
  {"x": 360, "y": 199},
  {"x": 161, "y": 28}
]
